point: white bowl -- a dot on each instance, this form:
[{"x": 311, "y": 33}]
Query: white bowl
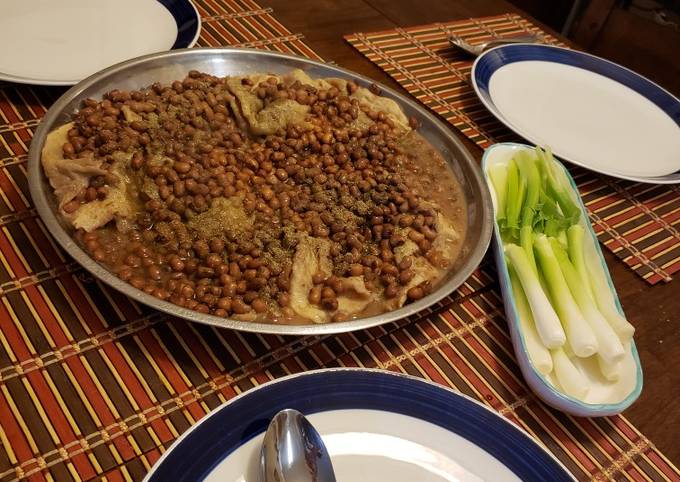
[{"x": 604, "y": 398}]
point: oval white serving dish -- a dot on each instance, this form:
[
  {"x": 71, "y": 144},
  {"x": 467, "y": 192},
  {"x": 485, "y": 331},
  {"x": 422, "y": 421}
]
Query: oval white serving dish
[{"x": 604, "y": 397}]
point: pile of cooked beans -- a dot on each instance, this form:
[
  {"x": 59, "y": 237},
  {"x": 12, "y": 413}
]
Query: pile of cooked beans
[{"x": 332, "y": 181}]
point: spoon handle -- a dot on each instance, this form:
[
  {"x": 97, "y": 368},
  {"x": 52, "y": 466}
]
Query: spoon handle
[{"x": 511, "y": 40}]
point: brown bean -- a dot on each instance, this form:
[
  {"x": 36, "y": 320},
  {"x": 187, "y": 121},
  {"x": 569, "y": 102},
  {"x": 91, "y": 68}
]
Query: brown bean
[
  {"x": 283, "y": 299},
  {"x": 133, "y": 260},
  {"x": 391, "y": 290},
  {"x": 71, "y": 206},
  {"x": 327, "y": 292},
  {"x": 187, "y": 291},
  {"x": 429, "y": 234},
  {"x": 190, "y": 265},
  {"x": 330, "y": 304},
  {"x": 415, "y": 293},
  {"x": 315, "y": 295},
  {"x": 241, "y": 287},
  {"x": 213, "y": 260},
  {"x": 259, "y": 305},
  {"x": 68, "y": 149},
  {"x": 415, "y": 236},
  {"x": 90, "y": 194},
  {"x": 424, "y": 245},
  {"x": 137, "y": 282},
  {"x": 125, "y": 273},
  {"x": 318, "y": 278},
  {"x": 234, "y": 271},
  {"x": 161, "y": 293},
  {"x": 229, "y": 288},
  {"x": 181, "y": 167},
  {"x": 224, "y": 303},
  {"x": 249, "y": 274},
  {"x": 239, "y": 307},
  {"x": 406, "y": 276},
  {"x": 216, "y": 245},
  {"x": 405, "y": 262},
  {"x": 249, "y": 296},
  {"x": 177, "y": 264},
  {"x": 254, "y": 263},
  {"x": 154, "y": 272},
  {"x": 406, "y": 221},
  {"x": 339, "y": 316}
]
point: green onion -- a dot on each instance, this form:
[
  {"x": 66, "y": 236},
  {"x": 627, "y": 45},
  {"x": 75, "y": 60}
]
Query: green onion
[
  {"x": 570, "y": 378},
  {"x": 499, "y": 177},
  {"x": 529, "y": 172},
  {"x": 555, "y": 187},
  {"x": 514, "y": 199},
  {"x": 609, "y": 346},
  {"x": 605, "y": 302},
  {"x": 538, "y": 353},
  {"x": 610, "y": 371},
  {"x": 575, "y": 242},
  {"x": 547, "y": 323},
  {"x": 579, "y": 334}
]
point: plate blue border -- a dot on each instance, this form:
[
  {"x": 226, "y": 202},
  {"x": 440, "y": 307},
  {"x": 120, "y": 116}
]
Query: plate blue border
[
  {"x": 199, "y": 450},
  {"x": 187, "y": 19}
]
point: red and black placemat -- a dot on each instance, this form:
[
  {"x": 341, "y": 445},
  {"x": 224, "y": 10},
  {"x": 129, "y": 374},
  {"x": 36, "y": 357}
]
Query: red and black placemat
[
  {"x": 640, "y": 223},
  {"x": 94, "y": 386}
]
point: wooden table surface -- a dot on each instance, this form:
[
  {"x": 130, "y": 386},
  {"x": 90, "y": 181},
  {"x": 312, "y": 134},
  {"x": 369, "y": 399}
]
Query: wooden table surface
[{"x": 654, "y": 310}]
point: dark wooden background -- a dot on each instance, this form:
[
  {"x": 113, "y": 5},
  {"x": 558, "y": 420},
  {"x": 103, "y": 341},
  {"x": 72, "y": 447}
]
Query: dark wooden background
[{"x": 654, "y": 310}]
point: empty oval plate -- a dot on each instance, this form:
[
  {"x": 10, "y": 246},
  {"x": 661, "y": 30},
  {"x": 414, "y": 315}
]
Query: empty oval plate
[
  {"x": 376, "y": 425},
  {"x": 62, "y": 42},
  {"x": 590, "y": 111}
]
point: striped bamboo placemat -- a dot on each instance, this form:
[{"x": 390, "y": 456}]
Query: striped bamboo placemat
[
  {"x": 640, "y": 223},
  {"x": 94, "y": 386}
]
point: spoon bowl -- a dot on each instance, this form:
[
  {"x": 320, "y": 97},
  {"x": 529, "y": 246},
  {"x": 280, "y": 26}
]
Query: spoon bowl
[{"x": 293, "y": 451}]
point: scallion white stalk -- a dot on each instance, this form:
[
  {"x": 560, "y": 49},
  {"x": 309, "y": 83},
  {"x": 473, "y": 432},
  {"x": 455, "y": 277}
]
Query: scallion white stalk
[
  {"x": 570, "y": 378},
  {"x": 603, "y": 294},
  {"x": 547, "y": 322},
  {"x": 579, "y": 333},
  {"x": 609, "y": 345},
  {"x": 538, "y": 353},
  {"x": 610, "y": 371}
]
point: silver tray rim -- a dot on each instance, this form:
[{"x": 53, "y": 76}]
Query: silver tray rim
[{"x": 40, "y": 195}]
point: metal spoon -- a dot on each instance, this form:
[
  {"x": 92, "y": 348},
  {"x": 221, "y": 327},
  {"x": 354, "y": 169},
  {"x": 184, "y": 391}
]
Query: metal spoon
[
  {"x": 292, "y": 451},
  {"x": 479, "y": 49}
]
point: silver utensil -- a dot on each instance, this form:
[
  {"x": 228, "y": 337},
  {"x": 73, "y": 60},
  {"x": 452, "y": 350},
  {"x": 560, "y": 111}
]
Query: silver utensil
[
  {"x": 480, "y": 48},
  {"x": 165, "y": 67},
  {"x": 292, "y": 451},
  {"x": 672, "y": 178}
]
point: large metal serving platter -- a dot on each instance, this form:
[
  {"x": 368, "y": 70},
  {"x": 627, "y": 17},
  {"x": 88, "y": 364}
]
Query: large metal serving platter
[{"x": 168, "y": 66}]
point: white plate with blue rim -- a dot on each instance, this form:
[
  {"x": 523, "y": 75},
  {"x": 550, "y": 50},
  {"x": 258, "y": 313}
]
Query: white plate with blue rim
[
  {"x": 590, "y": 111},
  {"x": 376, "y": 425},
  {"x": 604, "y": 397},
  {"x": 47, "y": 42}
]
